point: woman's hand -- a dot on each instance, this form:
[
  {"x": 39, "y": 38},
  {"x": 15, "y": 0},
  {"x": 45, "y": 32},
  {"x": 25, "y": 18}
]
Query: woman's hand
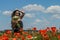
[{"x": 22, "y": 14}]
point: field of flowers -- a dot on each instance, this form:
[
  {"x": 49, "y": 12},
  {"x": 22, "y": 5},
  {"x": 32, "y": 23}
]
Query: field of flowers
[{"x": 34, "y": 34}]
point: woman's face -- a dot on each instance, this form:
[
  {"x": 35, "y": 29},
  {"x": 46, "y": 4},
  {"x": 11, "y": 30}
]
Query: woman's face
[{"x": 17, "y": 13}]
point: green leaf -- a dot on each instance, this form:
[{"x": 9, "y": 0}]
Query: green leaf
[{"x": 54, "y": 38}]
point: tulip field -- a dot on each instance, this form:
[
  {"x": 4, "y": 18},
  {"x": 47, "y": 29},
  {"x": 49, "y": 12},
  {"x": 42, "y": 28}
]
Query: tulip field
[{"x": 34, "y": 34}]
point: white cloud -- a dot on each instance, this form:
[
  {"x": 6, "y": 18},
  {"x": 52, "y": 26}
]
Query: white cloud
[
  {"x": 37, "y": 21},
  {"x": 53, "y": 9},
  {"x": 7, "y": 12},
  {"x": 56, "y": 16},
  {"x": 33, "y": 7},
  {"x": 30, "y": 15}
]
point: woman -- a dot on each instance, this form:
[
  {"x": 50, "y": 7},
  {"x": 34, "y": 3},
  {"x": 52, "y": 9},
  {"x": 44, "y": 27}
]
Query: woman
[{"x": 16, "y": 22}]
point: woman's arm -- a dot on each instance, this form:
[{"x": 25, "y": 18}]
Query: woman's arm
[{"x": 22, "y": 14}]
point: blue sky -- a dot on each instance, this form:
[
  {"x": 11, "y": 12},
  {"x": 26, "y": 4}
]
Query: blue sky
[{"x": 38, "y": 13}]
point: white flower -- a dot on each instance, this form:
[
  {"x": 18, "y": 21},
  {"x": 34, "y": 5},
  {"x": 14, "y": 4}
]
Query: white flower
[{"x": 35, "y": 37}]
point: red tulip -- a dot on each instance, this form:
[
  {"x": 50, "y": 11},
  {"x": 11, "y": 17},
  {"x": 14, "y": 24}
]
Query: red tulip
[
  {"x": 24, "y": 33},
  {"x": 45, "y": 36},
  {"x": 29, "y": 36},
  {"x": 43, "y": 31},
  {"x": 0, "y": 37},
  {"x": 22, "y": 37},
  {"x": 34, "y": 28},
  {"x": 58, "y": 36},
  {"x": 8, "y": 31},
  {"x": 17, "y": 34},
  {"x": 53, "y": 29},
  {"x": 4, "y": 37},
  {"x": 14, "y": 39}
]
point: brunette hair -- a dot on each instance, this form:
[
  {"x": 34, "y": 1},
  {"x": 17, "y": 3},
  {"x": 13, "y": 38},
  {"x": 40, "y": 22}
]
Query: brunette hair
[{"x": 13, "y": 14}]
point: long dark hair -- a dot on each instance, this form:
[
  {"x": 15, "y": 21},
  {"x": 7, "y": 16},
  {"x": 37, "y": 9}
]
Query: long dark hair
[{"x": 13, "y": 14}]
